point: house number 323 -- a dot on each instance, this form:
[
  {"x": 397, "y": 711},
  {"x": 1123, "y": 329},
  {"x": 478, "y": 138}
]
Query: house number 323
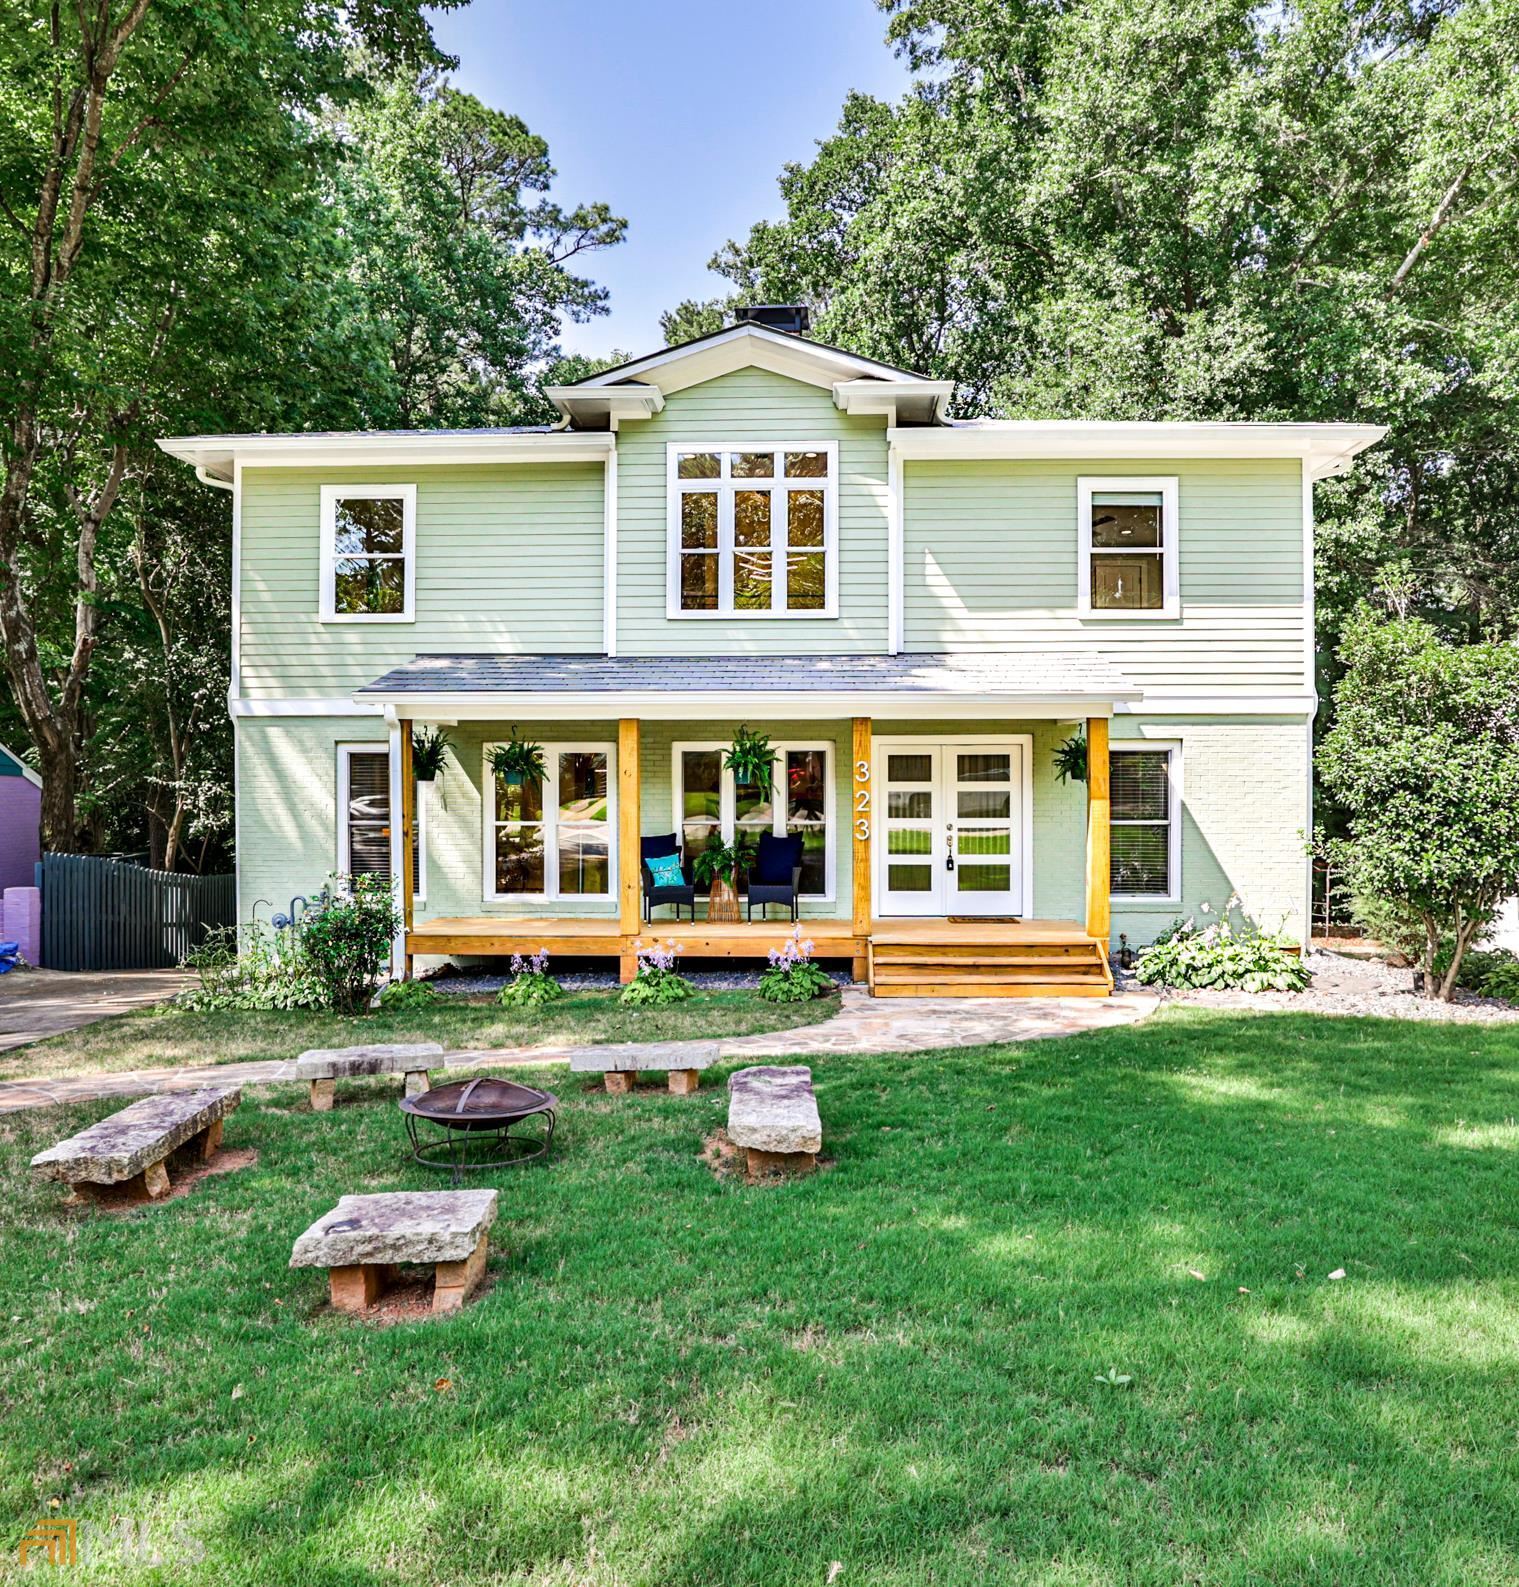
[{"x": 862, "y": 801}]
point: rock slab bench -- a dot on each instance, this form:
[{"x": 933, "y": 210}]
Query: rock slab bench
[
  {"x": 773, "y": 1118},
  {"x": 361, "y": 1241},
  {"x": 128, "y": 1153},
  {"x": 623, "y": 1062},
  {"x": 323, "y": 1067}
]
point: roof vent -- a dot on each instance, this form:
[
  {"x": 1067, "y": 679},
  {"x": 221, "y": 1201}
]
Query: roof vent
[{"x": 792, "y": 317}]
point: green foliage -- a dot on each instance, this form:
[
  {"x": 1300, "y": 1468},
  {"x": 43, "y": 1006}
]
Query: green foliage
[
  {"x": 531, "y": 983},
  {"x": 266, "y": 971},
  {"x": 517, "y": 761},
  {"x": 657, "y": 983},
  {"x": 429, "y": 753},
  {"x": 1396, "y": 926},
  {"x": 791, "y": 976},
  {"x": 691, "y": 319},
  {"x": 1225, "y": 957},
  {"x": 401, "y": 996},
  {"x": 721, "y": 862},
  {"x": 346, "y": 938},
  {"x": 1424, "y": 756},
  {"x": 751, "y": 759},
  {"x": 1489, "y": 972},
  {"x": 1071, "y": 759}
]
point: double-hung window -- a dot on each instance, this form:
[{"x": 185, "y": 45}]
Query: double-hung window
[
  {"x": 553, "y": 836},
  {"x": 1145, "y": 834},
  {"x": 753, "y": 530},
  {"x": 369, "y": 570},
  {"x": 364, "y": 816},
  {"x": 1128, "y": 553},
  {"x": 712, "y": 806}
]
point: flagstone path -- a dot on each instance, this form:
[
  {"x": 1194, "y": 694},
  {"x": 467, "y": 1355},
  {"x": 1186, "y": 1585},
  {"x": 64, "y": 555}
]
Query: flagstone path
[{"x": 863, "y": 1025}]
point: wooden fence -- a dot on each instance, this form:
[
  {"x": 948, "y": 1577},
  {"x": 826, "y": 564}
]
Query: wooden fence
[{"x": 111, "y": 915}]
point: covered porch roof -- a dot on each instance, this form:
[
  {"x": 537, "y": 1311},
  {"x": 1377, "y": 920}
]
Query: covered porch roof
[{"x": 1029, "y": 683}]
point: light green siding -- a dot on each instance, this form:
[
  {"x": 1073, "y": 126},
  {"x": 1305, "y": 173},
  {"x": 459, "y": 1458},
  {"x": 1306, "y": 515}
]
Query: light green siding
[
  {"x": 990, "y": 563},
  {"x": 509, "y": 558},
  {"x": 751, "y": 405}
]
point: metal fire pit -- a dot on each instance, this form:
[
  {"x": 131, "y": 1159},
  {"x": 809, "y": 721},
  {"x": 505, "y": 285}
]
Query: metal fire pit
[{"x": 475, "y": 1120}]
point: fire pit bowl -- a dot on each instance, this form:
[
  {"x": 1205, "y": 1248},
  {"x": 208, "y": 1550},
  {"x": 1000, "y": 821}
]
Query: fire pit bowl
[{"x": 473, "y": 1121}]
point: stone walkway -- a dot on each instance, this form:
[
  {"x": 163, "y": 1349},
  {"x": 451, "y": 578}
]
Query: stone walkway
[{"x": 863, "y": 1025}]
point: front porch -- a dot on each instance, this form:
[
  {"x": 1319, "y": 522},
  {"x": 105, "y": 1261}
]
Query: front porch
[{"x": 895, "y": 958}]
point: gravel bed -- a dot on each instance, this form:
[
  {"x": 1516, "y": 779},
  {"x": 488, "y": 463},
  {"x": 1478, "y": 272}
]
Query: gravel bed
[
  {"x": 599, "y": 980},
  {"x": 1345, "y": 985}
]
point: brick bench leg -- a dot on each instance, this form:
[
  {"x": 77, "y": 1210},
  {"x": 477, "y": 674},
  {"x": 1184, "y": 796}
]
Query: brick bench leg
[
  {"x": 684, "y": 1081},
  {"x": 765, "y": 1165},
  {"x": 620, "y": 1081},
  {"x": 354, "y": 1288},
  {"x": 455, "y": 1282},
  {"x": 323, "y": 1095},
  {"x": 416, "y": 1082}
]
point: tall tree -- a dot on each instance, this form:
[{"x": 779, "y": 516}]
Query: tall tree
[{"x": 160, "y": 243}]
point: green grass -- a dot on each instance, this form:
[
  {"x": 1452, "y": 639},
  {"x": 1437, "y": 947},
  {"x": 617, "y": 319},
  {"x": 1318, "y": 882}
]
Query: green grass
[
  {"x": 893, "y": 1365},
  {"x": 165, "y": 1037}
]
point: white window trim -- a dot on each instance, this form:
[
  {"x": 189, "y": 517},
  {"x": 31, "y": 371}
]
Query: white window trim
[
  {"x": 728, "y": 804},
  {"x": 1171, "y": 747},
  {"x": 675, "y": 488},
  {"x": 407, "y": 496},
  {"x": 1088, "y": 485},
  {"x": 551, "y": 893},
  {"x": 377, "y": 746}
]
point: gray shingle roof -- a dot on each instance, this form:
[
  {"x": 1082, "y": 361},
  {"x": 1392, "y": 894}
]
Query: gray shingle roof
[{"x": 1026, "y": 673}]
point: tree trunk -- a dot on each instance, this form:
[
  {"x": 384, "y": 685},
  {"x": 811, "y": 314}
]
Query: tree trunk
[{"x": 60, "y": 784}]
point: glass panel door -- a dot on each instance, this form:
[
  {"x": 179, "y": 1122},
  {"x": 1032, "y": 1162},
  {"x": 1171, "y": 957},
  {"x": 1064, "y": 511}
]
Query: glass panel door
[
  {"x": 982, "y": 786},
  {"x": 912, "y": 863},
  {"x": 584, "y": 827}
]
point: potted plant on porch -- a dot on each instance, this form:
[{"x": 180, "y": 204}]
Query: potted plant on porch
[
  {"x": 717, "y": 867},
  {"x": 429, "y": 753},
  {"x": 517, "y": 762}
]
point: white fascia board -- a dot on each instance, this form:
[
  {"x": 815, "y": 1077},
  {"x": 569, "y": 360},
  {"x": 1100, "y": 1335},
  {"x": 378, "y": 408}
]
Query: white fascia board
[
  {"x": 1294, "y": 705},
  {"x": 334, "y": 705},
  {"x": 217, "y": 454},
  {"x": 632, "y": 401},
  {"x": 786, "y": 705},
  {"x": 1325, "y": 448},
  {"x": 885, "y": 396}
]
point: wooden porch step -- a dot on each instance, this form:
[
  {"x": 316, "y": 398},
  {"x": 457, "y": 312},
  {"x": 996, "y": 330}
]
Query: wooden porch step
[
  {"x": 1092, "y": 988},
  {"x": 895, "y": 973},
  {"x": 986, "y": 953},
  {"x": 1059, "y": 964}
]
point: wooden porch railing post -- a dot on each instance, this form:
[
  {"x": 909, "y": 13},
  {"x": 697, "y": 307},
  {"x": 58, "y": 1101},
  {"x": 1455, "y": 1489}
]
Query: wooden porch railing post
[
  {"x": 629, "y": 830},
  {"x": 408, "y": 827},
  {"x": 862, "y": 826},
  {"x": 1099, "y": 840}
]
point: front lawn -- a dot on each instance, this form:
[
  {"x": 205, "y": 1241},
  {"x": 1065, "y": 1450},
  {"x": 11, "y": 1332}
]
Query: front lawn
[
  {"x": 1061, "y": 1313},
  {"x": 165, "y": 1037}
]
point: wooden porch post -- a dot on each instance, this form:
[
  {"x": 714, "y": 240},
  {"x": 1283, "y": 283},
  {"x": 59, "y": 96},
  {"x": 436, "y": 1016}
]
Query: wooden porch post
[
  {"x": 862, "y": 822},
  {"x": 629, "y": 830},
  {"x": 1099, "y": 799},
  {"x": 408, "y": 826}
]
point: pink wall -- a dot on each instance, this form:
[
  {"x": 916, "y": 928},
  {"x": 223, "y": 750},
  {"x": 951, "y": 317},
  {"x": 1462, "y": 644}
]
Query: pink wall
[{"x": 20, "y": 820}]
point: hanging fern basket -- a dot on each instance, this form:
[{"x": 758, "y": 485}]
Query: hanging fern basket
[
  {"x": 517, "y": 761},
  {"x": 751, "y": 759}
]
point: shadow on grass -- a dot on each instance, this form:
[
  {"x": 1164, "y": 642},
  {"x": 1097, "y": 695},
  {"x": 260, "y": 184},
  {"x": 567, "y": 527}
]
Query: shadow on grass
[{"x": 894, "y": 1365}]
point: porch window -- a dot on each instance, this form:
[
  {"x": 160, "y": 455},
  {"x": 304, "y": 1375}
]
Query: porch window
[
  {"x": 1128, "y": 557},
  {"x": 711, "y": 805},
  {"x": 752, "y": 530},
  {"x": 552, "y": 836},
  {"x": 364, "y": 817},
  {"x": 1145, "y": 849},
  {"x": 368, "y": 553}
]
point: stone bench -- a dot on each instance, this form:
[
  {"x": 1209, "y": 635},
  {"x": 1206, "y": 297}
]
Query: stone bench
[
  {"x": 325, "y": 1066},
  {"x": 128, "y": 1153},
  {"x": 363, "y": 1238},
  {"x": 773, "y": 1118},
  {"x": 622, "y": 1062}
]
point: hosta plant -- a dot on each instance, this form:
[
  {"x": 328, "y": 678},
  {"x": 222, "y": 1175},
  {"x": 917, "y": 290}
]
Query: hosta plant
[
  {"x": 791, "y": 976},
  {"x": 1223, "y": 956},
  {"x": 400, "y": 996},
  {"x": 657, "y": 982},
  {"x": 531, "y": 983}
]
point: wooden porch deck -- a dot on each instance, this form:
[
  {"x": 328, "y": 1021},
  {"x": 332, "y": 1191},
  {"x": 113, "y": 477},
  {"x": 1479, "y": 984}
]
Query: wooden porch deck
[{"x": 897, "y": 958}]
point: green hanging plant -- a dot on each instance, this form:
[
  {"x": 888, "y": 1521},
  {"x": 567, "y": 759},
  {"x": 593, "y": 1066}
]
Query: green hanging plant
[
  {"x": 1071, "y": 759},
  {"x": 517, "y": 761},
  {"x": 751, "y": 759},
  {"x": 429, "y": 753}
]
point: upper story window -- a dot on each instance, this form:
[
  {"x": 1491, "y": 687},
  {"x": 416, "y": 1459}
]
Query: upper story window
[
  {"x": 753, "y": 530},
  {"x": 368, "y": 553},
  {"x": 1128, "y": 555}
]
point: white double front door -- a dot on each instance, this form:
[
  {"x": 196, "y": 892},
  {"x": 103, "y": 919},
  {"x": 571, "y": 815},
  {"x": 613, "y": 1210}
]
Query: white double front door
[{"x": 952, "y": 826}]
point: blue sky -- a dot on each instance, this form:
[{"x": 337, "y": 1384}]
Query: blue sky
[{"x": 677, "y": 113}]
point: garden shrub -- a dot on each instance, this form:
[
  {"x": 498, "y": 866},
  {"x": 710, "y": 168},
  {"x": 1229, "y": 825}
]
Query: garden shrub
[
  {"x": 403, "y": 995},
  {"x": 791, "y": 976},
  {"x": 531, "y": 983},
  {"x": 1221, "y": 955},
  {"x": 1489, "y": 972},
  {"x": 346, "y": 938},
  {"x": 267, "y": 970},
  {"x": 657, "y": 982}
]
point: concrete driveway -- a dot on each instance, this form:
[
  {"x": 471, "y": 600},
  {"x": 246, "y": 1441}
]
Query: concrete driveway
[{"x": 38, "y": 1003}]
